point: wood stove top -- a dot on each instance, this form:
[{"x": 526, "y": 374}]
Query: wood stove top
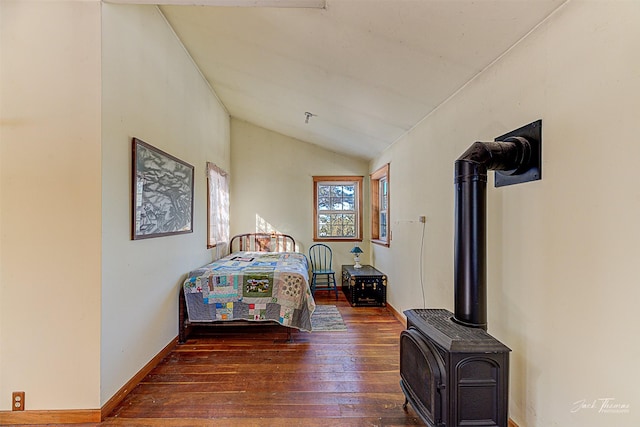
[{"x": 438, "y": 324}]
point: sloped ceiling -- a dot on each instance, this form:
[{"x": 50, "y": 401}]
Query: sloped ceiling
[{"x": 368, "y": 70}]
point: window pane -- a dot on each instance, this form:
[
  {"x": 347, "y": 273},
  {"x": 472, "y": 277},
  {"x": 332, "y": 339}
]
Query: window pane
[
  {"x": 336, "y": 203},
  {"x": 337, "y": 208},
  {"x": 324, "y": 203},
  {"x": 349, "y": 219},
  {"x": 349, "y": 203},
  {"x": 323, "y": 230},
  {"x": 383, "y": 225},
  {"x": 383, "y": 195}
]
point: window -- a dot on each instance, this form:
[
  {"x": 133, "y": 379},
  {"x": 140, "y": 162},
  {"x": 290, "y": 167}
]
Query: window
[
  {"x": 217, "y": 208},
  {"x": 380, "y": 232},
  {"x": 337, "y": 208}
]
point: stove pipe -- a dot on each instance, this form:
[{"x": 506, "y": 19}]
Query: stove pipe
[{"x": 470, "y": 287}]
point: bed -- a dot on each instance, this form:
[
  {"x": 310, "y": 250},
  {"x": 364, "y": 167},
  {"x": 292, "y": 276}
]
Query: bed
[{"x": 263, "y": 280}]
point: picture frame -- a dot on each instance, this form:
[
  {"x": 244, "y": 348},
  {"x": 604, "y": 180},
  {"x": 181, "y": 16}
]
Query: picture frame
[{"x": 162, "y": 193}]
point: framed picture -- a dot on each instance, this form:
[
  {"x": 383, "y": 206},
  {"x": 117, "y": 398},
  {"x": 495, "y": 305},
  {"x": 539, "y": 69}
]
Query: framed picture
[{"x": 162, "y": 193}]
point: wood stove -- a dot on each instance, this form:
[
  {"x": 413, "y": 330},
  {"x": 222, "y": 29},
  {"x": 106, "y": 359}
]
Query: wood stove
[
  {"x": 453, "y": 375},
  {"x": 451, "y": 370}
]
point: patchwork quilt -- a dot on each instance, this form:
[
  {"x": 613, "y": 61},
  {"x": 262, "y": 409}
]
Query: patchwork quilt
[{"x": 255, "y": 286}]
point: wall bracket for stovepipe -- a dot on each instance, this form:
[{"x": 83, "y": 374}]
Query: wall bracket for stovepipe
[{"x": 532, "y": 169}]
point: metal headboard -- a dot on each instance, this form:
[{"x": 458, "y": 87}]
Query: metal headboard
[{"x": 262, "y": 242}]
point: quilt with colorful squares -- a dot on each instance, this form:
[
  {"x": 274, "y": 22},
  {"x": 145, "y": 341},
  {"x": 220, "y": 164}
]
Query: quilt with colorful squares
[{"x": 255, "y": 286}]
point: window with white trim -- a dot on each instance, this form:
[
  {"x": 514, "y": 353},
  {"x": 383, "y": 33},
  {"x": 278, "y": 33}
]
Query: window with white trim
[
  {"x": 380, "y": 232},
  {"x": 217, "y": 208},
  {"x": 337, "y": 208}
]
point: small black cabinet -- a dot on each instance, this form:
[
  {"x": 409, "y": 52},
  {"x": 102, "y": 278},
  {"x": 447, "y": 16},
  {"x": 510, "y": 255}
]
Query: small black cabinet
[{"x": 364, "y": 286}]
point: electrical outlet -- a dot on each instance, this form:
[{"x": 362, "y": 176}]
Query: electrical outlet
[
  {"x": 18, "y": 401},
  {"x": 422, "y": 219}
]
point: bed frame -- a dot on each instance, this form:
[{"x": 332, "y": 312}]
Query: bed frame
[
  {"x": 262, "y": 242},
  {"x": 254, "y": 242}
]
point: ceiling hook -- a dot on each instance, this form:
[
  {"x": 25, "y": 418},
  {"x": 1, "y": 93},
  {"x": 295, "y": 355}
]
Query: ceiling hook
[{"x": 308, "y": 115}]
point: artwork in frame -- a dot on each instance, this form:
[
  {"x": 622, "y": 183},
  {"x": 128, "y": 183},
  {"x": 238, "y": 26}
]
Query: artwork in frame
[{"x": 162, "y": 194}]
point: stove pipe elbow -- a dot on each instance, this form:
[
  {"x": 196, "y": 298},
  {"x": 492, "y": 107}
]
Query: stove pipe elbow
[{"x": 470, "y": 288}]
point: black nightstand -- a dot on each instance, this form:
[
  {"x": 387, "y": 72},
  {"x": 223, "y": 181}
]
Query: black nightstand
[{"x": 364, "y": 286}]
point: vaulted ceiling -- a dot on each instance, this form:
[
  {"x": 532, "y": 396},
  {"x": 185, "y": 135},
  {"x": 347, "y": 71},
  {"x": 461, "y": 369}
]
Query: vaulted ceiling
[{"x": 367, "y": 70}]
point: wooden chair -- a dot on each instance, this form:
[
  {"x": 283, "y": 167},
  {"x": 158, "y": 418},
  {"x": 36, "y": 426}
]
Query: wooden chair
[{"x": 323, "y": 277}]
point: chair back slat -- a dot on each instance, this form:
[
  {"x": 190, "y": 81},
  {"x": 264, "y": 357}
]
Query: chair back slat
[
  {"x": 320, "y": 256},
  {"x": 322, "y": 274}
]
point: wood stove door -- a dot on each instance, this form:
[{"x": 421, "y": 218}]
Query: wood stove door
[{"x": 423, "y": 377}]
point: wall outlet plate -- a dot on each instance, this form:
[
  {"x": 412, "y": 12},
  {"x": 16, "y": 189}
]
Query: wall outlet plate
[
  {"x": 533, "y": 133},
  {"x": 17, "y": 401}
]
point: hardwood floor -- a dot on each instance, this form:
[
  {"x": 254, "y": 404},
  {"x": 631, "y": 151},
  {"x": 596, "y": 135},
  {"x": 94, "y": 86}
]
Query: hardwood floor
[
  {"x": 248, "y": 378},
  {"x": 240, "y": 378}
]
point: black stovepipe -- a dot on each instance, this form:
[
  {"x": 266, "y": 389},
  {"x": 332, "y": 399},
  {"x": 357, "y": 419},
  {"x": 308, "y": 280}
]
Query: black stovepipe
[{"x": 470, "y": 281}]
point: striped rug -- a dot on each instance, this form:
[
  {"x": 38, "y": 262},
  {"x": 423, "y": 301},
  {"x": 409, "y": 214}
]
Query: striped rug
[{"x": 327, "y": 318}]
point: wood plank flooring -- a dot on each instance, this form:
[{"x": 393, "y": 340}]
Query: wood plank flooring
[
  {"x": 241, "y": 378},
  {"x": 256, "y": 378}
]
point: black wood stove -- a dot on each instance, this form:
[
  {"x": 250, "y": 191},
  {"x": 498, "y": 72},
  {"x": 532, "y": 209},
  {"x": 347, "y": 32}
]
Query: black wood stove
[
  {"x": 453, "y": 375},
  {"x": 451, "y": 370}
]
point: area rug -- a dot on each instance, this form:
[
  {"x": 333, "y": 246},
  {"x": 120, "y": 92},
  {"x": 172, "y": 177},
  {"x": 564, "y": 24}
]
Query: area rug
[{"x": 327, "y": 318}]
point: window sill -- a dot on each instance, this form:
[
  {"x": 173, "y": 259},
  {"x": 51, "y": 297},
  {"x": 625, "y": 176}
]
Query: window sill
[
  {"x": 381, "y": 242},
  {"x": 332, "y": 239}
]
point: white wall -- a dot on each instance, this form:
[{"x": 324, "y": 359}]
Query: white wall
[
  {"x": 50, "y": 203},
  {"x": 82, "y": 307},
  {"x": 563, "y": 279},
  {"x": 271, "y": 184},
  {"x": 153, "y": 91}
]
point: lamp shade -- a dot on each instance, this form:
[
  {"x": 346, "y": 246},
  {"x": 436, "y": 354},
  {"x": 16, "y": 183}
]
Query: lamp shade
[{"x": 356, "y": 250}]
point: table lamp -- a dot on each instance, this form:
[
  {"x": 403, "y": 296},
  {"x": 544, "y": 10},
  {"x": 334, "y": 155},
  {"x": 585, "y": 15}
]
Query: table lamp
[{"x": 356, "y": 251}]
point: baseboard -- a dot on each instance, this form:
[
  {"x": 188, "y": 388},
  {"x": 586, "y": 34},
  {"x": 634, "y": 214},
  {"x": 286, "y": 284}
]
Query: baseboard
[
  {"x": 512, "y": 423},
  {"x": 50, "y": 417},
  {"x": 112, "y": 403},
  {"x": 401, "y": 318},
  {"x": 81, "y": 416}
]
